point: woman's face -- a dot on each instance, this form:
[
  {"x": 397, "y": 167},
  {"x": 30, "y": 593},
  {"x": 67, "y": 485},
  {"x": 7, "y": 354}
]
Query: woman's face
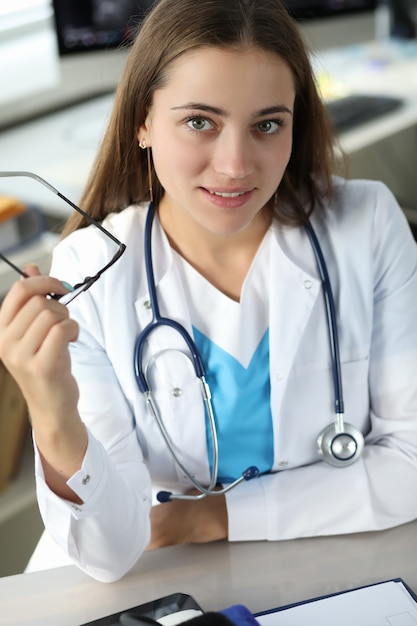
[{"x": 220, "y": 130}]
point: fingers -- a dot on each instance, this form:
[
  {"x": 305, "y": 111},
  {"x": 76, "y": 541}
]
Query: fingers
[
  {"x": 31, "y": 270},
  {"x": 31, "y": 324},
  {"x": 23, "y": 290},
  {"x": 40, "y": 324}
]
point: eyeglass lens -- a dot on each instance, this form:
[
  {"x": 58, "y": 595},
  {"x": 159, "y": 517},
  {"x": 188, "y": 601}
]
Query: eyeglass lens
[{"x": 11, "y": 232}]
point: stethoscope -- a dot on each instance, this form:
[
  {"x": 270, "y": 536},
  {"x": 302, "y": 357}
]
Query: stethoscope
[{"x": 340, "y": 444}]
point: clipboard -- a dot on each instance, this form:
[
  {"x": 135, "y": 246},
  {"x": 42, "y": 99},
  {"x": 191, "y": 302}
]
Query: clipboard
[
  {"x": 387, "y": 603},
  {"x": 168, "y": 611}
]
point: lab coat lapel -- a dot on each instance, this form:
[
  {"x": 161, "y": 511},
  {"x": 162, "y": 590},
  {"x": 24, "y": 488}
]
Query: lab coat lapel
[{"x": 293, "y": 293}]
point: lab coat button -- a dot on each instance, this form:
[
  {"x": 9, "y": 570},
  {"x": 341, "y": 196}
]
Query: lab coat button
[
  {"x": 283, "y": 463},
  {"x": 76, "y": 508},
  {"x": 146, "y": 304},
  {"x": 308, "y": 284},
  {"x": 176, "y": 392},
  {"x": 279, "y": 375},
  {"x": 86, "y": 479}
]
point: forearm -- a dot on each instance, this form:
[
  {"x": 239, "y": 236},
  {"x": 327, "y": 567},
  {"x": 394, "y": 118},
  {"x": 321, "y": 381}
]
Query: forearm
[
  {"x": 189, "y": 521},
  {"x": 372, "y": 494},
  {"x": 61, "y": 454},
  {"x": 108, "y": 530}
]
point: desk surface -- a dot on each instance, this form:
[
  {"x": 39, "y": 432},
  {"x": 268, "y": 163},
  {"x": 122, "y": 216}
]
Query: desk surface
[{"x": 260, "y": 575}]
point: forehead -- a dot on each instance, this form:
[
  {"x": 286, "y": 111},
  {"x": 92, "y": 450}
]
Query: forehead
[{"x": 247, "y": 74}]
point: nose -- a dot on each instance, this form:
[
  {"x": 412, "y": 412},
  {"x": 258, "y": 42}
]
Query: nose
[{"x": 233, "y": 155}]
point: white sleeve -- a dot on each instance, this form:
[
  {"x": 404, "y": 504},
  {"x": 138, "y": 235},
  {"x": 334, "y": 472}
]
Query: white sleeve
[
  {"x": 107, "y": 533},
  {"x": 380, "y": 489}
]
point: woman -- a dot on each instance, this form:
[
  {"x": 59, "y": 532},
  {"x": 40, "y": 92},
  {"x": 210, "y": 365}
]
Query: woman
[{"x": 217, "y": 118}]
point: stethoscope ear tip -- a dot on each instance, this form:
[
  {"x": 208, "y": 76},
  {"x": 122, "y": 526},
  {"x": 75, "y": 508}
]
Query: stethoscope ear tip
[{"x": 164, "y": 496}]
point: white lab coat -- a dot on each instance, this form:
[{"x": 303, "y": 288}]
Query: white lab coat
[{"x": 372, "y": 262}]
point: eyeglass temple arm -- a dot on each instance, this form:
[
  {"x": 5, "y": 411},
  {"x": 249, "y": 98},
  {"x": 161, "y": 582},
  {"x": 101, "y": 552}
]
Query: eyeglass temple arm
[
  {"x": 13, "y": 266},
  {"x": 45, "y": 183}
]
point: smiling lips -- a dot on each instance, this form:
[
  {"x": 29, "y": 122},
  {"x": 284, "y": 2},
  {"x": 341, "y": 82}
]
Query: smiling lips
[
  {"x": 225, "y": 194},
  {"x": 229, "y": 199},
  {"x": 228, "y": 194}
]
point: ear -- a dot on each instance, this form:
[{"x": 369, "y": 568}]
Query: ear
[{"x": 144, "y": 132}]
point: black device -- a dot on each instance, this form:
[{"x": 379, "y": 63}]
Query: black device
[
  {"x": 313, "y": 9},
  {"x": 403, "y": 18},
  {"x": 356, "y": 109},
  {"x": 87, "y": 25},
  {"x": 150, "y": 612}
]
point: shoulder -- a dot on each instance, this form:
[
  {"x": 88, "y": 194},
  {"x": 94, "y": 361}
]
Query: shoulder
[
  {"x": 361, "y": 226},
  {"x": 347, "y": 194},
  {"x": 363, "y": 204},
  {"x": 365, "y": 226},
  {"x": 85, "y": 250},
  {"x": 128, "y": 223}
]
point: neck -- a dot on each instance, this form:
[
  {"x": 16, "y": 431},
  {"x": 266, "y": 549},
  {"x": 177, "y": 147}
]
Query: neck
[{"x": 224, "y": 260}]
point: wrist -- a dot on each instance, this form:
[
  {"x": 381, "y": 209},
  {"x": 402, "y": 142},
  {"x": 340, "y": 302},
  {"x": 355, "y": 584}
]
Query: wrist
[{"x": 62, "y": 448}]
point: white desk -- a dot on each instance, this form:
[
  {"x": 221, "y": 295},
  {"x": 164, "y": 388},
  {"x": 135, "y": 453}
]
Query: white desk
[
  {"x": 260, "y": 575},
  {"x": 61, "y": 146}
]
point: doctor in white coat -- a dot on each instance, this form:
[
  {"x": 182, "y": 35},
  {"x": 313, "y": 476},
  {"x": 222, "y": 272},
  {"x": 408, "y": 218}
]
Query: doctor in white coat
[{"x": 222, "y": 127}]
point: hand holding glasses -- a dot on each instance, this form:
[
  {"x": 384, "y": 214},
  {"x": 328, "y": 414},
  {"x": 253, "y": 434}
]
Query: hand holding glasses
[{"x": 89, "y": 280}]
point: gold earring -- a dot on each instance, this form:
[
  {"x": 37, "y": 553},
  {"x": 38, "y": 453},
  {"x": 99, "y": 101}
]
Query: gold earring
[
  {"x": 148, "y": 154},
  {"x": 143, "y": 146}
]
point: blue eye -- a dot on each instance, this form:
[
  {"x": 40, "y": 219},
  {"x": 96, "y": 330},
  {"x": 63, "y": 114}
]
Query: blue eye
[
  {"x": 199, "y": 124},
  {"x": 268, "y": 126}
]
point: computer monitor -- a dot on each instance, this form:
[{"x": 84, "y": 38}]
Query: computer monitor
[
  {"x": 88, "y": 25},
  {"x": 316, "y": 9}
]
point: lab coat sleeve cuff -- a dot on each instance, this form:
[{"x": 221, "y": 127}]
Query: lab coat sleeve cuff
[
  {"x": 87, "y": 483},
  {"x": 247, "y": 512}
]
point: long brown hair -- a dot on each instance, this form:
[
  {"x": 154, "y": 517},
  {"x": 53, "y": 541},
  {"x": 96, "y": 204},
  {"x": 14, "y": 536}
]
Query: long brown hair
[{"x": 119, "y": 176}]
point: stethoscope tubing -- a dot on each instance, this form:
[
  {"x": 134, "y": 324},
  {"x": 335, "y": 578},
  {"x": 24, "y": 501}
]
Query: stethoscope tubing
[
  {"x": 157, "y": 321},
  {"x": 331, "y": 318}
]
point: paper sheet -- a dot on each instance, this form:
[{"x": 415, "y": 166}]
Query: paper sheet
[{"x": 384, "y": 604}]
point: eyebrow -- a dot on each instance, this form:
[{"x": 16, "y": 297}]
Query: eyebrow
[{"x": 279, "y": 108}]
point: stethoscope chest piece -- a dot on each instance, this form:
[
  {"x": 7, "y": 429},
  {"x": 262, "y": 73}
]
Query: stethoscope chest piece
[{"x": 340, "y": 447}]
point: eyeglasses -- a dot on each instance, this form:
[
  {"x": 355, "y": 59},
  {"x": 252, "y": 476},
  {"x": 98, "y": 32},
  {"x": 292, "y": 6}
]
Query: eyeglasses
[{"x": 89, "y": 280}]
